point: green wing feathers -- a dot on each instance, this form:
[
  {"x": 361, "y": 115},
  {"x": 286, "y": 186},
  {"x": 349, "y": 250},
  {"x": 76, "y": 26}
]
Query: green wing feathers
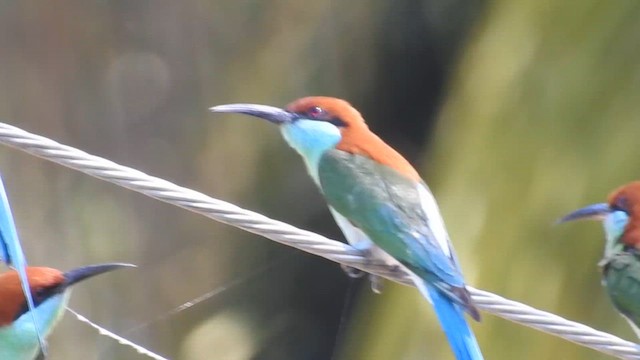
[{"x": 622, "y": 279}]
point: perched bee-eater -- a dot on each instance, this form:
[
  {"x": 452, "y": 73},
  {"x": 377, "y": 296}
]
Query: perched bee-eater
[
  {"x": 50, "y": 290},
  {"x": 379, "y": 202},
  {"x": 621, "y": 262}
]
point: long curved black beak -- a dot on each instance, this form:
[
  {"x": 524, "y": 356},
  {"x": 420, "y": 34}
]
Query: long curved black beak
[
  {"x": 270, "y": 113},
  {"x": 591, "y": 212},
  {"x": 82, "y": 273}
]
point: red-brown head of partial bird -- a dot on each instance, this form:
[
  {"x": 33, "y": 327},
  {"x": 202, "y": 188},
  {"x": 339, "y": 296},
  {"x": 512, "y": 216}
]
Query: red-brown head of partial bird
[
  {"x": 12, "y": 301},
  {"x": 313, "y": 125},
  {"x": 45, "y": 284},
  {"x": 627, "y": 200},
  {"x": 621, "y": 215}
]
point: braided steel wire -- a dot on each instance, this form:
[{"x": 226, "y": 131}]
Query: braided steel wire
[{"x": 301, "y": 239}]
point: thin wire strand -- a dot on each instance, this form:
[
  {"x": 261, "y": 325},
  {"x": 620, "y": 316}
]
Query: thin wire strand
[
  {"x": 304, "y": 240},
  {"x": 102, "y": 331},
  {"x": 218, "y": 290}
]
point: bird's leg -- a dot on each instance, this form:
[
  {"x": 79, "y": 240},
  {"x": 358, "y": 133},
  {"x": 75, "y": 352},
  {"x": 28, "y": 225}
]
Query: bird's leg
[
  {"x": 376, "y": 282},
  {"x": 364, "y": 247}
]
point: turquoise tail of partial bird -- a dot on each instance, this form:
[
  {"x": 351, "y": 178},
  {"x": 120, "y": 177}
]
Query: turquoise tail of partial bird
[
  {"x": 11, "y": 253},
  {"x": 451, "y": 316}
]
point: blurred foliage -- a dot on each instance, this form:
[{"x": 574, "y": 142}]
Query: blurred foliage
[{"x": 515, "y": 112}]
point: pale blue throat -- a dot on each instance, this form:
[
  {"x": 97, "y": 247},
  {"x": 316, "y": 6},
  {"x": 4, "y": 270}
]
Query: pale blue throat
[
  {"x": 311, "y": 138},
  {"x": 20, "y": 340},
  {"x": 614, "y": 224}
]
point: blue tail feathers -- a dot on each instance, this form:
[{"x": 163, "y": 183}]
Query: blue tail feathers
[{"x": 461, "y": 338}]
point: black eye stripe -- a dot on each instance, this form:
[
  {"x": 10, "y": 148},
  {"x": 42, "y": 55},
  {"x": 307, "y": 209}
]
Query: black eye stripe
[
  {"x": 334, "y": 120},
  {"x": 39, "y": 296},
  {"x": 337, "y": 122}
]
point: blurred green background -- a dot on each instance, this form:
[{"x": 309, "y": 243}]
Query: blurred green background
[{"x": 515, "y": 112}]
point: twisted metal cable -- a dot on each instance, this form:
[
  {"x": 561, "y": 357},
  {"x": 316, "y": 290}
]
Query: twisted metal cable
[{"x": 301, "y": 239}]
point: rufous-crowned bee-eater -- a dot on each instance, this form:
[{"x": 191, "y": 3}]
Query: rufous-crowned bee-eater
[
  {"x": 50, "y": 290},
  {"x": 620, "y": 265},
  {"x": 379, "y": 202}
]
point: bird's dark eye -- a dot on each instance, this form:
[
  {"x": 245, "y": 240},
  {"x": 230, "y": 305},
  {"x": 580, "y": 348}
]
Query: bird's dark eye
[
  {"x": 316, "y": 112},
  {"x": 39, "y": 294},
  {"x": 620, "y": 203}
]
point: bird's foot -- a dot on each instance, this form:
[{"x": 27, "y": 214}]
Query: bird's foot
[
  {"x": 352, "y": 272},
  {"x": 377, "y": 283}
]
